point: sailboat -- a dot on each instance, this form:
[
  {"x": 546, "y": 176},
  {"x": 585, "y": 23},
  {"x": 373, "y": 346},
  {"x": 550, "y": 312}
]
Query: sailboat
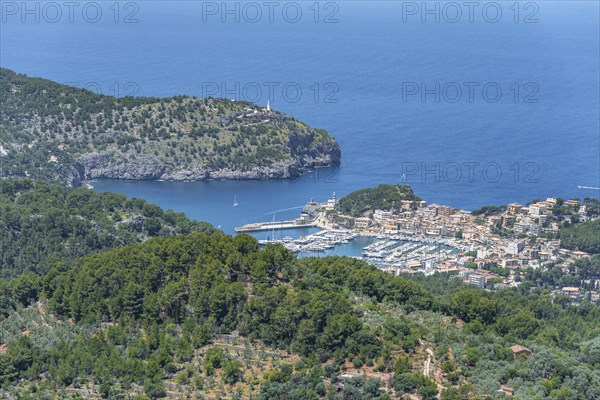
[{"x": 235, "y": 203}]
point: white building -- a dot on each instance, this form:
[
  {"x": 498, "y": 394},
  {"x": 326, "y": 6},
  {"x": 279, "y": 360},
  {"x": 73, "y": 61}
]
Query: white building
[
  {"x": 362, "y": 222},
  {"x": 331, "y": 203},
  {"x": 381, "y": 215},
  {"x": 515, "y": 247},
  {"x": 537, "y": 209}
]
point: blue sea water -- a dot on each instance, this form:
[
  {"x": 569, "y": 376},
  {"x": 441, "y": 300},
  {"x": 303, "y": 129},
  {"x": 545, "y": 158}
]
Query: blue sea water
[{"x": 384, "y": 77}]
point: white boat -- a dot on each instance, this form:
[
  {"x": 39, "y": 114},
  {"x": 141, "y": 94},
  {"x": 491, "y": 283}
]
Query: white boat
[{"x": 235, "y": 203}]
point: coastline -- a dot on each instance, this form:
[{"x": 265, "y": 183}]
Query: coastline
[{"x": 485, "y": 248}]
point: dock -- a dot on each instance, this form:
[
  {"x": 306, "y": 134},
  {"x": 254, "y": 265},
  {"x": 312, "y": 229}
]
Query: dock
[
  {"x": 315, "y": 242},
  {"x": 274, "y": 225}
]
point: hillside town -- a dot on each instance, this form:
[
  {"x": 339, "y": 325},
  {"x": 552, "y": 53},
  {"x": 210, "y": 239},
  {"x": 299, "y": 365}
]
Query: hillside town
[{"x": 490, "y": 248}]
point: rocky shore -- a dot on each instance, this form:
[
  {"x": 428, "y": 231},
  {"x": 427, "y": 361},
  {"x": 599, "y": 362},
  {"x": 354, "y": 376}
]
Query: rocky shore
[
  {"x": 72, "y": 135},
  {"x": 148, "y": 167},
  {"x": 111, "y": 164}
]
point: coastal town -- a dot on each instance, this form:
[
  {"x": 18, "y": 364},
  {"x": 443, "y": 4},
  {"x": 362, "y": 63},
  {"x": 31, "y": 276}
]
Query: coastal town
[{"x": 490, "y": 248}]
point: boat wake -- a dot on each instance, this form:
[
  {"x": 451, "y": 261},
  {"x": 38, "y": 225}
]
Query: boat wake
[{"x": 588, "y": 187}]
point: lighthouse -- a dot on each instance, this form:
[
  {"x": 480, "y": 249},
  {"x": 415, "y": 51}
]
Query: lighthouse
[
  {"x": 331, "y": 203},
  {"x": 268, "y": 106}
]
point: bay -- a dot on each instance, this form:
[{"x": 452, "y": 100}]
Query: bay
[{"x": 540, "y": 138}]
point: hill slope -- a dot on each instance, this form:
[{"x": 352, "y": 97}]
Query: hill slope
[
  {"x": 213, "y": 316},
  {"x": 67, "y": 134},
  {"x": 42, "y": 224},
  {"x": 585, "y": 236},
  {"x": 383, "y": 197}
]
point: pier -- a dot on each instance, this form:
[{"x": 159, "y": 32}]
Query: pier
[{"x": 275, "y": 225}]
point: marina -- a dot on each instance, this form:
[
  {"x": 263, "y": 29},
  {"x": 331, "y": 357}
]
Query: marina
[
  {"x": 396, "y": 252},
  {"x": 315, "y": 242}
]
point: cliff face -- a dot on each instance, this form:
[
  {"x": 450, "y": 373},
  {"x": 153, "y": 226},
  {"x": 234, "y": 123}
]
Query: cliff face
[
  {"x": 102, "y": 165},
  {"x": 71, "y": 135}
]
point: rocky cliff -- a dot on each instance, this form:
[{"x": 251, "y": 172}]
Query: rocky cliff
[{"x": 62, "y": 133}]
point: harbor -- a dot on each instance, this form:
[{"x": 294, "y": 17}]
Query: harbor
[
  {"x": 401, "y": 255},
  {"x": 393, "y": 250},
  {"x": 396, "y": 252},
  {"x": 315, "y": 242}
]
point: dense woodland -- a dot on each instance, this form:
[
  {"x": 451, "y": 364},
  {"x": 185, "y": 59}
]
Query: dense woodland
[
  {"x": 209, "y": 314},
  {"x": 42, "y": 224},
  {"x": 383, "y": 197},
  {"x": 584, "y": 236}
]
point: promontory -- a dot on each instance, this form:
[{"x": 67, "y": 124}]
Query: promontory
[{"x": 62, "y": 133}]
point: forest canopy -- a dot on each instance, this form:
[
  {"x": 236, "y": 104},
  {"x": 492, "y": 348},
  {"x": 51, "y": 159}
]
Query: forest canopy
[
  {"x": 168, "y": 298},
  {"x": 43, "y": 224},
  {"x": 584, "y": 236},
  {"x": 383, "y": 197}
]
